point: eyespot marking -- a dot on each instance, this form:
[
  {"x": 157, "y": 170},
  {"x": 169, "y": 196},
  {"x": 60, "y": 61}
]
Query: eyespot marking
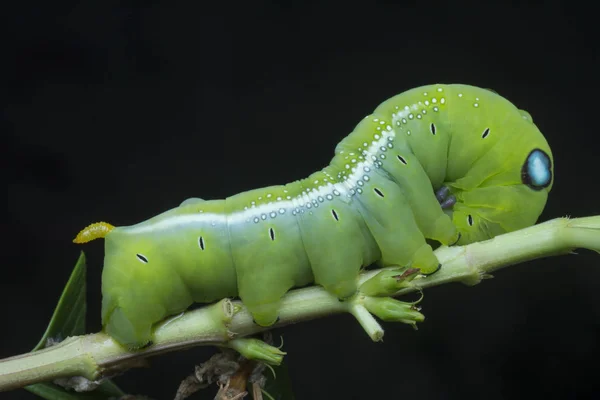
[
  {"x": 335, "y": 215},
  {"x": 401, "y": 159},
  {"x": 201, "y": 242},
  {"x": 470, "y": 220},
  {"x": 379, "y": 193},
  {"x": 485, "y": 133},
  {"x": 432, "y": 128},
  {"x": 272, "y": 233},
  {"x": 142, "y": 258},
  {"x": 537, "y": 170}
]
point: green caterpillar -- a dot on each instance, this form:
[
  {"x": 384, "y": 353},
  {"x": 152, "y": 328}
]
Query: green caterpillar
[{"x": 450, "y": 163}]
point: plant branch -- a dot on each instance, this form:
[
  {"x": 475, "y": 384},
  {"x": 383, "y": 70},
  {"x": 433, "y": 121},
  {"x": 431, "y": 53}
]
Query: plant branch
[{"x": 97, "y": 356}]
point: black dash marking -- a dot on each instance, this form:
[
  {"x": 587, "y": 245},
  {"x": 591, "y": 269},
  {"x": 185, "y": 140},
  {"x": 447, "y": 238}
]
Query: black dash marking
[
  {"x": 378, "y": 192},
  {"x": 272, "y": 233},
  {"x": 470, "y": 220},
  {"x": 335, "y": 215},
  {"x": 201, "y": 242},
  {"x": 402, "y": 160},
  {"x": 142, "y": 258},
  {"x": 485, "y": 133},
  {"x": 432, "y": 128}
]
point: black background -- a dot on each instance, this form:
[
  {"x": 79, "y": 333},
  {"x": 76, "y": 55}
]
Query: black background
[{"x": 116, "y": 111}]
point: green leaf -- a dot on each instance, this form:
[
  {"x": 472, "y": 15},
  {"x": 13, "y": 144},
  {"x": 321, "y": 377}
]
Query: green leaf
[
  {"x": 69, "y": 320},
  {"x": 280, "y": 388},
  {"x": 69, "y": 316},
  {"x": 50, "y": 391},
  {"x": 255, "y": 349}
]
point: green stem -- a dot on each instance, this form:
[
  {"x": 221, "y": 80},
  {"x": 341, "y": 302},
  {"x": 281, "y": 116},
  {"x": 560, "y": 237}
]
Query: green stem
[
  {"x": 367, "y": 321},
  {"x": 96, "y": 356},
  {"x": 64, "y": 359},
  {"x": 470, "y": 264}
]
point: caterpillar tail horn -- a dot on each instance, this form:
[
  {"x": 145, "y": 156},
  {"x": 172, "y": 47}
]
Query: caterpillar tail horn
[{"x": 96, "y": 230}]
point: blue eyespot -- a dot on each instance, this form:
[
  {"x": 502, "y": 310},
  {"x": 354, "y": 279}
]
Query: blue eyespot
[{"x": 537, "y": 170}]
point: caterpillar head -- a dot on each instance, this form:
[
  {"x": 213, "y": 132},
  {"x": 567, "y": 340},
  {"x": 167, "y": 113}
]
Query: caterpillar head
[{"x": 506, "y": 189}]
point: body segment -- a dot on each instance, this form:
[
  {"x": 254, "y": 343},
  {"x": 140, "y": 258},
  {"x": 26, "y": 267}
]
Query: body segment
[{"x": 375, "y": 202}]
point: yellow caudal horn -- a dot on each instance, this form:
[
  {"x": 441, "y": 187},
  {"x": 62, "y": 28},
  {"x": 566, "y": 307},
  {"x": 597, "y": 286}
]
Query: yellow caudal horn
[{"x": 96, "y": 230}]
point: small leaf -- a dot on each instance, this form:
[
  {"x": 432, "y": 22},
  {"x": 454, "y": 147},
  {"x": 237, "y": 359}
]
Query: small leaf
[
  {"x": 69, "y": 320},
  {"x": 255, "y": 349},
  {"x": 69, "y": 316},
  {"x": 50, "y": 391}
]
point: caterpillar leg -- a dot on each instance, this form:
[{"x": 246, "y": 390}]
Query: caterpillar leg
[
  {"x": 402, "y": 167},
  {"x": 261, "y": 289},
  {"x": 336, "y": 242},
  {"x": 265, "y": 315},
  {"x": 268, "y": 255},
  {"x": 269, "y": 260},
  {"x": 445, "y": 198},
  {"x": 414, "y": 183},
  {"x": 392, "y": 223},
  {"x": 130, "y": 331}
]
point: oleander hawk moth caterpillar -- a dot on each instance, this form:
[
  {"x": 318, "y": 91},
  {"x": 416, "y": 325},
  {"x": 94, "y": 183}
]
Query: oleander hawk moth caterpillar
[{"x": 453, "y": 164}]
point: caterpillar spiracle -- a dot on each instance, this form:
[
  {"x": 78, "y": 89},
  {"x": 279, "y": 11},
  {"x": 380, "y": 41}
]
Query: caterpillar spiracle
[{"x": 452, "y": 164}]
